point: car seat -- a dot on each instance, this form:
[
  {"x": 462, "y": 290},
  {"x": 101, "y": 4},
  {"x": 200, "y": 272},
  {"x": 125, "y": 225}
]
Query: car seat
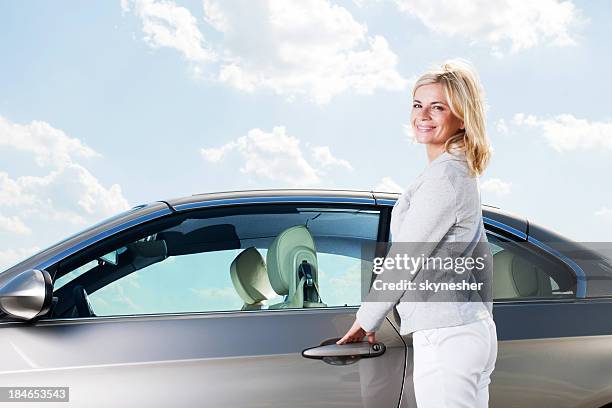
[
  {"x": 293, "y": 269},
  {"x": 515, "y": 277},
  {"x": 250, "y": 279}
]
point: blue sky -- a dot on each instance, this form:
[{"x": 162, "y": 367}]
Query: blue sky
[{"x": 110, "y": 105}]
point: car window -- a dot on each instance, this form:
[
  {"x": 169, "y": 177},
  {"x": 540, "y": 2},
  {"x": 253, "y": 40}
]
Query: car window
[
  {"x": 521, "y": 271},
  {"x": 219, "y": 260}
]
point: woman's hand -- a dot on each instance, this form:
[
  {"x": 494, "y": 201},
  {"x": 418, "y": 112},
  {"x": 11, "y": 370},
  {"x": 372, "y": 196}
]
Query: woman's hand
[{"x": 355, "y": 334}]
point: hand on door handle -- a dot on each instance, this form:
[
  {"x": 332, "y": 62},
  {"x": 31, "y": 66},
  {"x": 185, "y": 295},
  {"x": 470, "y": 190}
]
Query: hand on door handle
[{"x": 361, "y": 349}]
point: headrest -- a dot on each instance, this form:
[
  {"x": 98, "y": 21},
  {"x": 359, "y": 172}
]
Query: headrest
[
  {"x": 287, "y": 251},
  {"x": 249, "y": 276},
  {"x": 516, "y": 277},
  {"x": 525, "y": 277}
]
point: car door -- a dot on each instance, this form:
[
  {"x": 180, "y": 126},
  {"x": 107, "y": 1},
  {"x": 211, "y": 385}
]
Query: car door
[
  {"x": 546, "y": 348},
  {"x": 550, "y": 341},
  {"x": 169, "y": 329}
]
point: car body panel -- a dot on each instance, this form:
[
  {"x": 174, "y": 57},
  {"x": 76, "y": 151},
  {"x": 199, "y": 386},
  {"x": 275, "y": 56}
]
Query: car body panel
[
  {"x": 552, "y": 372},
  {"x": 202, "y": 359},
  {"x": 272, "y": 196},
  {"x": 549, "y": 353}
]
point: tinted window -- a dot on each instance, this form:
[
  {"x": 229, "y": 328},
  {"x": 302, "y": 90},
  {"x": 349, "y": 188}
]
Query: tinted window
[
  {"x": 185, "y": 264},
  {"x": 522, "y": 271}
]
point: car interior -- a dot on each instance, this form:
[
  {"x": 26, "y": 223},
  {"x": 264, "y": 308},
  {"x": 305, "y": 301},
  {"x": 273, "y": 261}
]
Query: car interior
[
  {"x": 292, "y": 271},
  {"x": 519, "y": 273},
  {"x": 250, "y": 279},
  {"x": 290, "y": 268}
]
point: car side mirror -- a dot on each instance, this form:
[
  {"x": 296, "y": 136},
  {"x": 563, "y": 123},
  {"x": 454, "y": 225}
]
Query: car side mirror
[{"x": 27, "y": 295}]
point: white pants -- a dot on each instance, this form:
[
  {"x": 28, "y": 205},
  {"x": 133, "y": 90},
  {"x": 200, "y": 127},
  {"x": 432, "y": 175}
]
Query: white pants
[{"x": 453, "y": 365}]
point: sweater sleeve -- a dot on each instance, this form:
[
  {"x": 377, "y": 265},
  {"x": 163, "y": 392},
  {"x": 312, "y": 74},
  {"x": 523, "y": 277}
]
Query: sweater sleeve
[{"x": 431, "y": 214}]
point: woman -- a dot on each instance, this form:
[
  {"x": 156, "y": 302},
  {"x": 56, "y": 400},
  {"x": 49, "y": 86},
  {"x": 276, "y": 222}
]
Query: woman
[{"x": 454, "y": 342}]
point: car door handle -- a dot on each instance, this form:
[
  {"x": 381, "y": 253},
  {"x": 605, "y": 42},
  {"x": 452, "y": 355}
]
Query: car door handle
[{"x": 350, "y": 350}]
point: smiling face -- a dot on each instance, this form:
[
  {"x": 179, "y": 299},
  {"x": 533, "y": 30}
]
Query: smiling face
[{"x": 432, "y": 120}]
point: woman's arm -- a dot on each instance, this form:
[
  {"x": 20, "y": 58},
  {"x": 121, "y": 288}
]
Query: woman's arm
[{"x": 432, "y": 212}]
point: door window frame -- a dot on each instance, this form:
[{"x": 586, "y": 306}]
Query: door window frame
[
  {"x": 506, "y": 232},
  {"x": 152, "y": 225}
]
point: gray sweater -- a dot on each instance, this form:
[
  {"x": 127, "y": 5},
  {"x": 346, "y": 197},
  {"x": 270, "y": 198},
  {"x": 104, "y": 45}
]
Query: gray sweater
[{"x": 442, "y": 207}]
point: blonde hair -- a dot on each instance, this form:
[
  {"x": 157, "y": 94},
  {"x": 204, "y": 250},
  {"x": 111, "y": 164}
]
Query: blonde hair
[{"x": 465, "y": 96}]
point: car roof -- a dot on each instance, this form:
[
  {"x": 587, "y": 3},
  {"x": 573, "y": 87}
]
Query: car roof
[
  {"x": 333, "y": 195},
  {"x": 298, "y": 194},
  {"x": 242, "y": 197}
]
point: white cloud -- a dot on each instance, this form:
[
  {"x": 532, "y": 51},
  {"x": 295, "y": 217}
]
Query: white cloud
[
  {"x": 344, "y": 288},
  {"x": 324, "y": 156},
  {"x": 274, "y": 156},
  {"x": 216, "y": 154},
  {"x": 496, "y": 186},
  {"x": 604, "y": 212},
  {"x": 12, "y": 194},
  {"x": 165, "y": 24},
  {"x": 70, "y": 193},
  {"x": 502, "y": 127},
  {"x": 409, "y": 133},
  {"x": 49, "y": 146},
  {"x": 54, "y": 204},
  {"x": 387, "y": 184},
  {"x": 121, "y": 302},
  {"x": 566, "y": 133},
  {"x": 521, "y": 24},
  {"x": 277, "y": 156},
  {"x": 69, "y": 190},
  {"x": 216, "y": 293},
  {"x": 11, "y": 256},
  {"x": 217, "y": 298},
  {"x": 310, "y": 48},
  {"x": 215, "y": 17},
  {"x": 14, "y": 225},
  {"x": 364, "y": 3}
]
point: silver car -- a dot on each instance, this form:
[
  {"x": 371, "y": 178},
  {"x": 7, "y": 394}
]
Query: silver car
[{"x": 236, "y": 300}]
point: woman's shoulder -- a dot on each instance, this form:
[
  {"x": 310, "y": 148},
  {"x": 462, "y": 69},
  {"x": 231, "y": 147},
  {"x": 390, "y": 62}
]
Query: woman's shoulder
[
  {"x": 455, "y": 171},
  {"x": 449, "y": 180},
  {"x": 449, "y": 172}
]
